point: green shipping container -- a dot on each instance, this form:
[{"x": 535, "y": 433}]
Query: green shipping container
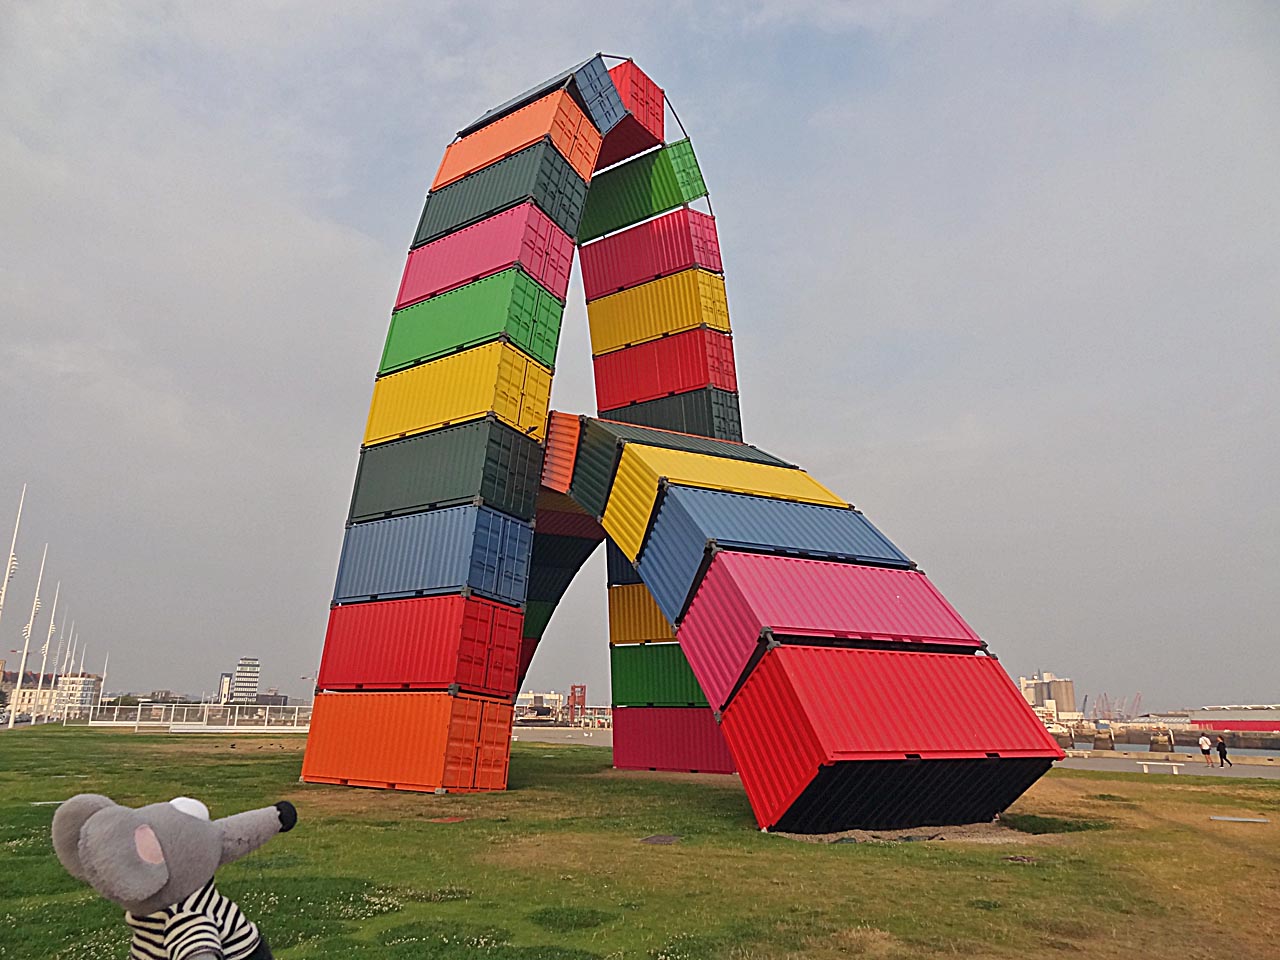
[
  {"x": 653, "y": 675},
  {"x": 708, "y": 412},
  {"x": 510, "y": 303},
  {"x": 642, "y": 188},
  {"x": 536, "y": 173},
  {"x": 600, "y": 446},
  {"x": 537, "y": 614},
  {"x": 484, "y": 460}
]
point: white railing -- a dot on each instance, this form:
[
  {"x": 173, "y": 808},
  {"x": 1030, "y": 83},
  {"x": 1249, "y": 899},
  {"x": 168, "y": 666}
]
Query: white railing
[{"x": 195, "y": 717}]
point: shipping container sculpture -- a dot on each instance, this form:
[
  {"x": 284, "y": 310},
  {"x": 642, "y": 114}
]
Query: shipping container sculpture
[{"x": 758, "y": 622}]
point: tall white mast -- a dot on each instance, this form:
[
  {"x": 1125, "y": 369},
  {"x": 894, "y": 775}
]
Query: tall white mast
[
  {"x": 57, "y": 657},
  {"x": 11, "y": 562},
  {"x": 80, "y": 672},
  {"x": 26, "y": 640},
  {"x": 103, "y": 689},
  {"x": 44, "y": 651}
]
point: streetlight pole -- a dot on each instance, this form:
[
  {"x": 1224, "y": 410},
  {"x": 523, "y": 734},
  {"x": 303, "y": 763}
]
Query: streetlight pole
[
  {"x": 44, "y": 652},
  {"x": 26, "y": 640},
  {"x": 11, "y": 562}
]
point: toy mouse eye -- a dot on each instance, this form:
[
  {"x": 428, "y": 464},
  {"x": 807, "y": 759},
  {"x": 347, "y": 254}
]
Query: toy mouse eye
[{"x": 148, "y": 847}]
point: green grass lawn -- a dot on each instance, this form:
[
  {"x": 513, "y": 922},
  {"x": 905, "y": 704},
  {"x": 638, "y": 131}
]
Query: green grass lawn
[{"x": 553, "y": 869}]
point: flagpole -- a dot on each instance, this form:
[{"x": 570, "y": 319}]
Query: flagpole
[
  {"x": 57, "y": 657},
  {"x": 102, "y": 689},
  {"x": 44, "y": 652},
  {"x": 11, "y": 564},
  {"x": 26, "y": 641}
]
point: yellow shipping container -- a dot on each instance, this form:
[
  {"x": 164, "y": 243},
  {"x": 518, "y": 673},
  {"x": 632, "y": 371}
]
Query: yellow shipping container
[
  {"x": 681, "y": 301},
  {"x": 464, "y": 386},
  {"x": 634, "y": 616},
  {"x": 635, "y": 486}
]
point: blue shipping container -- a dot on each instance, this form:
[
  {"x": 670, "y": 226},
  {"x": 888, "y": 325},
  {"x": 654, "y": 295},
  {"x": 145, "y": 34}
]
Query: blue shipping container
[
  {"x": 440, "y": 551},
  {"x": 689, "y": 519}
]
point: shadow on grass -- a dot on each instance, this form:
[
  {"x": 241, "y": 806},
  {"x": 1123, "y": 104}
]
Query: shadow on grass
[{"x": 1037, "y": 824}]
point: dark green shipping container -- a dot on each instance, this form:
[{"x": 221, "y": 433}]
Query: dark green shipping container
[
  {"x": 536, "y": 173},
  {"x": 537, "y": 614},
  {"x": 709, "y": 412},
  {"x": 556, "y": 560},
  {"x": 651, "y": 184},
  {"x": 510, "y": 303},
  {"x": 652, "y": 675},
  {"x": 600, "y": 447},
  {"x": 485, "y": 459}
]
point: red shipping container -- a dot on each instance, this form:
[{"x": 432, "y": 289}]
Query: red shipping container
[
  {"x": 523, "y": 235},
  {"x": 565, "y": 524},
  {"x": 744, "y": 594},
  {"x": 658, "y": 368},
  {"x": 807, "y": 710},
  {"x": 686, "y": 739},
  {"x": 658, "y": 248},
  {"x": 644, "y": 126},
  {"x": 426, "y": 643},
  {"x": 528, "y": 646}
]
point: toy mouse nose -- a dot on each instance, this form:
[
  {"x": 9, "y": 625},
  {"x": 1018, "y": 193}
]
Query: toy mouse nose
[{"x": 191, "y": 807}]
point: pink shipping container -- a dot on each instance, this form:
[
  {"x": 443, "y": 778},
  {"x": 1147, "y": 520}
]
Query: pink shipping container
[
  {"x": 426, "y": 643},
  {"x": 686, "y": 739},
  {"x": 644, "y": 125},
  {"x": 745, "y": 597},
  {"x": 565, "y": 524},
  {"x": 830, "y": 739},
  {"x": 658, "y": 248},
  {"x": 675, "y": 364},
  {"x": 523, "y": 235}
]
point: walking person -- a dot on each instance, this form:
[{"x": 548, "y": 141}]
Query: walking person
[
  {"x": 1205, "y": 746},
  {"x": 1222, "y": 754}
]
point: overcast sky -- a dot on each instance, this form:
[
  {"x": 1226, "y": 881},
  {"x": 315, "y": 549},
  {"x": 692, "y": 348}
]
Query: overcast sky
[{"x": 1003, "y": 275}]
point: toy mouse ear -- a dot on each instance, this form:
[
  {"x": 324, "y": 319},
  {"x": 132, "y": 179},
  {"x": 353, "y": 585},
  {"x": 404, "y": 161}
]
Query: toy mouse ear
[
  {"x": 68, "y": 820},
  {"x": 122, "y": 856},
  {"x": 191, "y": 807}
]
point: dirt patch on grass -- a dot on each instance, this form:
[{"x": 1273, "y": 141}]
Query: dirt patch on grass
[{"x": 964, "y": 833}]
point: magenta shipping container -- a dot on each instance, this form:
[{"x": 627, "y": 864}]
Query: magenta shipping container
[
  {"x": 669, "y": 738},
  {"x": 523, "y": 235},
  {"x": 667, "y": 245},
  {"x": 747, "y": 597}
]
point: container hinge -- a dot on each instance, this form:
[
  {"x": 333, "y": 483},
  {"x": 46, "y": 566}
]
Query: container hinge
[{"x": 768, "y": 639}]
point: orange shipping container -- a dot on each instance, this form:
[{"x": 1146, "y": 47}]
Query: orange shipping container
[
  {"x": 562, "y": 450},
  {"x": 634, "y": 616},
  {"x": 555, "y": 116},
  {"x": 408, "y": 741}
]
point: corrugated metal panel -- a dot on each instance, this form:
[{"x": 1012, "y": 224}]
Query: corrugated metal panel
[
  {"x": 652, "y": 675},
  {"x": 643, "y": 127},
  {"x": 563, "y": 524},
  {"x": 582, "y": 80},
  {"x": 708, "y": 412},
  {"x": 634, "y": 617},
  {"x": 635, "y": 486},
  {"x": 537, "y": 614},
  {"x": 509, "y": 304},
  {"x": 425, "y": 643},
  {"x": 599, "y": 448},
  {"x": 669, "y": 738},
  {"x": 484, "y": 459},
  {"x": 682, "y": 301},
  {"x": 558, "y": 503},
  {"x": 642, "y": 188},
  {"x": 494, "y": 757},
  {"x": 743, "y": 594},
  {"x": 555, "y": 116},
  {"x": 620, "y": 571},
  {"x": 562, "y": 450},
  {"x": 555, "y": 562},
  {"x": 495, "y": 378},
  {"x": 528, "y": 646},
  {"x": 537, "y": 173},
  {"x": 657, "y": 248},
  {"x": 522, "y": 236},
  {"x": 689, "y": 520},
  {"x": 402, "y": 741},
  {"x": 659, "y": 368},
  {"x": 442, "y": 551},
  {"x": 805, "y": 706}
]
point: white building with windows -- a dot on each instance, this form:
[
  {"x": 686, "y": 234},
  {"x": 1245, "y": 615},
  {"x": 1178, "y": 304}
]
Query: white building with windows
[{"x": 244, "y": 684}]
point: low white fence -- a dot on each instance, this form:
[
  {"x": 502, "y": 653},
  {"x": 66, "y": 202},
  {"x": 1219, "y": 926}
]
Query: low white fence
[{"x": 195, "y": 717}]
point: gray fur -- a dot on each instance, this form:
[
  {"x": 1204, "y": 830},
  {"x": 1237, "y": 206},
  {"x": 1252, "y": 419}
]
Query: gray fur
[{"x": 96, "y": 840}]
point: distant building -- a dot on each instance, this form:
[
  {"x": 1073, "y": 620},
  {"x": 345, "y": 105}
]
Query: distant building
[
  {"x": 271, "y": 700},
  {"x": 244, "y": 685},
  {"x": 78, "y": 693},
  {"x": 1044, "y": 689},
  {"x": 224, "y": 688},
  {"x": 37, "y": 702}
]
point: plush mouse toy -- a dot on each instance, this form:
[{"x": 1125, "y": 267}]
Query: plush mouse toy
[{"x": 158, "y": 863}]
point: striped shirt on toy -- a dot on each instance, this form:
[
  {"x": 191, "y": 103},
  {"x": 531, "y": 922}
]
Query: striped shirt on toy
[{"x": 205, "y": 922}]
